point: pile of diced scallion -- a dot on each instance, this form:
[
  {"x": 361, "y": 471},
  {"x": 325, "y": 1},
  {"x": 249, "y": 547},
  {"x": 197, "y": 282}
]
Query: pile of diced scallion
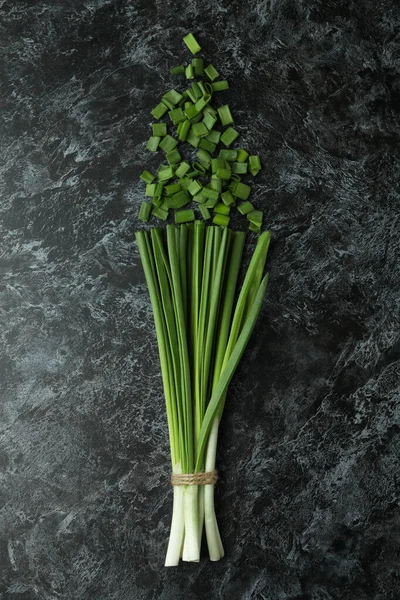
[
  {"x": 212, "y": 180},
  {"x": 203, "y": 320}
]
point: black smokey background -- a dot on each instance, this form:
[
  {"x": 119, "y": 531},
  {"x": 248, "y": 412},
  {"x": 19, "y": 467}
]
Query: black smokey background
[{"x": 308, "y": 501}]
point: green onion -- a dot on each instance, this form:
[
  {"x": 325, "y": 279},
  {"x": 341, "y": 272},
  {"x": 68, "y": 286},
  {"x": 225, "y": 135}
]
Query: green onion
[
  {"x": 172, "y": 97},
  {"x": 213, "y": 136},
  {"x": 223, "y": 174},
  {"x": 161, "y": 213},
  {"x": 242, "y": 155},
  {"x": 211, "y": 72},
  {"x": 245, "y": 208},
  {"x": 229, "y": 136},
  {"x": 242, "y": 191},
  {"x": 239, "y": 167},
  {"x": 178, "y": 70},
  {"x": 209, "y": 121},
  {"x": 225, "y": 114},
  {"x": 227, "y": 198},
  {"x": 184, "y": 130},
  {"x": 159, "y": 110},
  {"x": 255, "y": 217},
  {"x": 254, "y": 164},
  {"x": 192, "y": 43},
  {"x": 168, "y": 143},
  {"x": 219, "y": 86},
  {"x": 222, "y": 220},
  {"x": 172, "y": 189},
  {"x": 184, "y": 216},
  {"x": 202, "y": 102},
  {"x": 199, "y": 129},
  {"x": 195, "y": 187},
  {"x": 191, "y": 111},
  {"x": 153, "y": 143},
  {"x": 198, "y": 66},
  {"x": 192, "y": 139},
  {"x": 254, "y": 228},
  {"x": 151, "y": 189},
  {"x": 222, "y": 209},
  {"x": 176, "y": 115},
  {"x": 189, "y": 72},
  {"x": 204, "y": 157},
  {"x": 230, "y": 155},
  {"x": 173, "y": 157},
  {"x": 166, "y": 174},
  {"x": 181, "y": 199},
  {"x": 198, "y": 169},
  {"x": 145, "y": 211},
  {"x": 147, "y": 176},
  {"x": 183, "y": 168},
  {"x": 159, "y": 129},
  {"x": 205, "y": 213}
]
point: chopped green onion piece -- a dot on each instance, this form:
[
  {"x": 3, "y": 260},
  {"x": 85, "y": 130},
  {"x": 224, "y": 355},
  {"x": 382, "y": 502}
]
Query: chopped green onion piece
[
  {"x": 196, "y": 90},
  {"x": 199, "y": 129},
  {"x": 255, "y": 216},
  {"x": 157, "y": 201},
  {"x": 185, "y": 182},
  {"x": 235, "y": 177},
  {"x": 242, "y": 191},
  {"x": 161, "y": 213},
  {"x": 192, "y": 139},
  {"x": 202, "y": 88},
  {"x": 200, "y": 104},
  {"x": 217, "y": 163},
  {"x": 145, "y": 211},
  {"x": 222, "y": 209},
  {"x": 216, "y": 184},
  {"x": 182, "y": 134},
  {"x": 213, "y": 136},
  {"x": 198, "y": 169},
  {"x": 211, "y": 72},
  {"x": 173, "y": 157},
  {"x": 183, "y": 168},
  {"x": 210, "y": 194},
  {"x": 242, "y": 155},
  {"x": 192, "y": 95},
  {"x": 254, "y": 164},
  {"x": 192, "y": 43},
  {"x": 204, "y": 156},
  {"x": 198, "y": 66},
  {"x": 172, "y": 189},
  {"x": 176, "y": 115},
  {"x": 184, "y": 216},
  {"x": 181, "y": 199},
  {"x": 199, "y": 198},
  {"x": 153, "y": 143},
  {"x": 245, "y": 208},
  {"x": 230, "y": 155},
  {"x": 239, "y": 167},
  {"x": 225, "y": 114},
  {"x": 178, "y": 70},
  {"x": 159, "y": 188},
  {"x": 147, "y": 176},
  {"x": 219, "y": 86},
  {"x": 254, "y": 172},
  {"x": 168, "y": 143},
  {"x": 159, "y": 110},
  {"x": 184, "y": 97},
  {"x": 205, "y": 213},
  {"x": 168, "y": 202},
  {"x": 196, "y": 119},
  {"x": 255, "y": 228},
  {"x": 172, "y": 96},
  {"x": 229, "y": 136},
  {"x": 159, "y": 129},
  {"x": 166, "y": 174},
  {"x": 227, "y": 198},
  {"x": 223, "y": 174},
  {"x": 195, "y": 187},
  {"x": 209, "y": 120},
  {"x": 189, "y": 72},
  {"x": 206, "y": 145},
  {"x": 168, "y": 103},
  {"x": 222, "y": 220},
  {"x": 209, "y": 89},
  {"x": 232, "y": 184},
  {"x": 191, "y": 111},
  {"x": 151, "y": 189}
]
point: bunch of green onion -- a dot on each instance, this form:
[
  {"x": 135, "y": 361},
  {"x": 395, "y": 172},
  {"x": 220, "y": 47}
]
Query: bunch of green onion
[{"x": 202, "y": 323}]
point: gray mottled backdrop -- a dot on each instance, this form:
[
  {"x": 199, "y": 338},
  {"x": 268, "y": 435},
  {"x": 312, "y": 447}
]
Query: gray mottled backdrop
[{"x": 308, "y": 500}]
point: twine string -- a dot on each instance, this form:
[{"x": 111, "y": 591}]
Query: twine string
[{"x": 194, "y": 478}]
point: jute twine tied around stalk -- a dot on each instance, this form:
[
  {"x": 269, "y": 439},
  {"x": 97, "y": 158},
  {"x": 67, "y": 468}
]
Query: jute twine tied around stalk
[{"x": 194, "y": 478}]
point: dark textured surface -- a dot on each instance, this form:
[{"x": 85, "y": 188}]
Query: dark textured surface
[{"x": 308, "y": 501}]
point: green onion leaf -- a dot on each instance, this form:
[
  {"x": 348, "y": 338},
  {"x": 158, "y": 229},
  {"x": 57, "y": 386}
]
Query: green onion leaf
[
  {"x": 145, "y": 211},
  {"x": 211, "y": 72},
  {"x": 184, "y": 216},
  {"x": 192, "y": 43}
]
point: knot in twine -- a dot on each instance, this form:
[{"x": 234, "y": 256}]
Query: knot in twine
[{"x": 194, "y": 478}]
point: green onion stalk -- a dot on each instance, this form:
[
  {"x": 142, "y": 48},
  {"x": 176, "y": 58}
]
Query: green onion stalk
[{"x": 202, "y": 327}]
